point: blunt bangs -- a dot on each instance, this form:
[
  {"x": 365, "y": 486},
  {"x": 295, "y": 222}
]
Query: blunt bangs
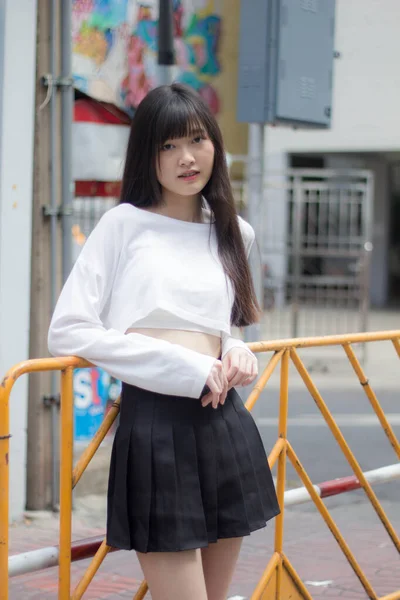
[{"x": 180, "y": 117}]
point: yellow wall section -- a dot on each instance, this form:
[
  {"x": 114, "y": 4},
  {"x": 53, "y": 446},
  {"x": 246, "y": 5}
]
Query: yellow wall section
[{"x": 235, "y": 134}]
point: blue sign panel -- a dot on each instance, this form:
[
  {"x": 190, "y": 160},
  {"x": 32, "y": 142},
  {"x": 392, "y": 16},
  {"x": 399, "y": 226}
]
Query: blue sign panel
[{"x": 94, "y": 391}]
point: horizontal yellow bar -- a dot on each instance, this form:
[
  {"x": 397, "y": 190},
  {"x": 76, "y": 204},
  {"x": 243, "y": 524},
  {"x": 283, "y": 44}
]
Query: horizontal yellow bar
[{"x": 328, "y": 340}]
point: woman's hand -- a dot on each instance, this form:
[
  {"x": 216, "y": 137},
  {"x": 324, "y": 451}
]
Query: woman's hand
[
  {"x": 217, "y": 383},
  {"x": 240, "y": 366}
]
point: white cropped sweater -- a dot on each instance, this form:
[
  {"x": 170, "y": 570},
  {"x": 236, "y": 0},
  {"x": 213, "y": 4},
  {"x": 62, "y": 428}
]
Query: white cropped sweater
[{"x": 136, "y": 264}]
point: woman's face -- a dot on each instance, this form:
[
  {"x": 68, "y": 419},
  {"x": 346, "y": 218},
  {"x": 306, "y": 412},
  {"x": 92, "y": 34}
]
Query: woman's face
[{"x": 185, "y": 164}]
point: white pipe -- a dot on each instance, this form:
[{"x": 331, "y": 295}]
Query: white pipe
[
  {"x": 381, "y": 475},
  {"x": 28, "y": 562},
  {"x": 299, "y": 496}
]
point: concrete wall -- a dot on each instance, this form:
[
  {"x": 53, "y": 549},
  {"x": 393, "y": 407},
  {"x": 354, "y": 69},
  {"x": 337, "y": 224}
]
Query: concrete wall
[
  {"x": 17, "y": 78},
  {"x": 365, "y": 123},
  {"x": 366, "y": 84}
]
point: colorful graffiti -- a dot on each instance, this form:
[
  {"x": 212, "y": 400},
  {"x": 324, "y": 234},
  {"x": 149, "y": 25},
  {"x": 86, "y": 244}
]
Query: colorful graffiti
[{"x": 115, "y": 48}]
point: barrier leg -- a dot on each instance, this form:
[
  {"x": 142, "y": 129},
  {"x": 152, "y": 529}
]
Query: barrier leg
[
  {"x": 283, "y": 414},
  {"x": 91, "y": 571},
  {"x": 66, "y": 443},
  {"x": 330, "y": 522},
  {"x": 4, "y": 483},
  {"x": 142, "y": 591}
]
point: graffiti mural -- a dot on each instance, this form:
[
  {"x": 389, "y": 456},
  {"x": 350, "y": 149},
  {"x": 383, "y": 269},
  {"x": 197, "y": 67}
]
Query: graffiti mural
[{"x": 115, "y": 48}]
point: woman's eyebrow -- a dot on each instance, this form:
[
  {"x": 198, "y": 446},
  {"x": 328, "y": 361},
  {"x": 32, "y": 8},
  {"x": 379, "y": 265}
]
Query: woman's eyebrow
[
  {"x": 192, "y": 133},
  {"x": 197, "y": 131}
]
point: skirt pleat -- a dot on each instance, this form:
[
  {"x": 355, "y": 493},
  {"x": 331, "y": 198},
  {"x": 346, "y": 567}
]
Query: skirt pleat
[
  {"x": 139, "y": 488},
  {"x": 207, "y": 473},
  {"x": 263, "y": 476},
  {"x": 251, "y": 492},
  {"x": 183, "y": 476},
  {"x": 118, "y": 503},
  {"x": 232, "y": 514}
]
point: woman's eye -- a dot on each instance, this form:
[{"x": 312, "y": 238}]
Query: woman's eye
[
  {"x": 166, "y": 147},
  {"x": 198, "y": 139}
]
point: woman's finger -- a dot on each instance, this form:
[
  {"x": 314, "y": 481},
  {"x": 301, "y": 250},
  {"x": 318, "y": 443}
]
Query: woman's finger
[
  {"x": 225, "y": 388},
  {"x": 216, "y": 387},
  {"x": 233, "y": 368},
  {"x": 243, "y": 371},
  {"x": 252, "y": 376},
  {"x": 205, "y": 401}
]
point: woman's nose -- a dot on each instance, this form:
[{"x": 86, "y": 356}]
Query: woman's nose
[{"x": 186, "y": 158}]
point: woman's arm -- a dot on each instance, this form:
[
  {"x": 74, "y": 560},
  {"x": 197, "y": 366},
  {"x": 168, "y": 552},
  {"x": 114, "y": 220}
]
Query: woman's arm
[{"x": 76, "y": 328}]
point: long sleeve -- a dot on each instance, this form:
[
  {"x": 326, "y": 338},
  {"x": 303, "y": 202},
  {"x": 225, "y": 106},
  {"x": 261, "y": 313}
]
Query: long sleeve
[
  {"x": 76, "y": 327},
  {"x": 227, "y": 341}
]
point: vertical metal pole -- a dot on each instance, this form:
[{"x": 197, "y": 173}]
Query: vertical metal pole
[
  {"x": 4, "y": 487},
  {"x": 66, "y": 190},
  {"x": 296, "y": 254},
  {"x": 255, "y": 202},
  {"x": 67, "y": 103},
  {"x": 166, "y": 54},
  {"x": 367, "y": 212},
  {"x": 53, "y": 243}
]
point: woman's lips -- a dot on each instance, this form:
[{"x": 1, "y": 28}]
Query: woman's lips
[{"x": 189, "y": 175}]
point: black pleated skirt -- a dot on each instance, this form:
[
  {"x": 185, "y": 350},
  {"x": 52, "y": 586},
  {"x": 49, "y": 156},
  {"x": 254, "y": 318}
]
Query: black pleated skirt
[{"x": 183, "y": 476}]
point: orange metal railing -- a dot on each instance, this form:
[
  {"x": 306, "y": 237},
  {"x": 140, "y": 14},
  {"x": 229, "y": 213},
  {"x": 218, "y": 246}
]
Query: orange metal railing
[{"x": 280, "y": 579}]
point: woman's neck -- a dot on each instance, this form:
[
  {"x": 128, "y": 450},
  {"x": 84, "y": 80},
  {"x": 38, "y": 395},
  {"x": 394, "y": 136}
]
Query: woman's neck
[{"x": 183, "y": 208}]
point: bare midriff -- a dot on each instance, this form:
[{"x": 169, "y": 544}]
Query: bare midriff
[{"x": 204, "y": 343}]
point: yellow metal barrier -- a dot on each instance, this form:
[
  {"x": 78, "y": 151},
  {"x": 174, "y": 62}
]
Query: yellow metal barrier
[{"x": 280, "y": 580}]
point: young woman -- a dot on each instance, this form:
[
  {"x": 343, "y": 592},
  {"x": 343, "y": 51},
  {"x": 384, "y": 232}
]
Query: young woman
[{"x": 151, "y": 299}]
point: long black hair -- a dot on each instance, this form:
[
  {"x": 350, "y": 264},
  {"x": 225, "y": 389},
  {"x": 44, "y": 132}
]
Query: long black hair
[{"x": 171, "y": 112}]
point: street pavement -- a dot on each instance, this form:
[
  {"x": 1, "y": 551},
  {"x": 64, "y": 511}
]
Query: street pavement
[{"x": 307, "y": 543}]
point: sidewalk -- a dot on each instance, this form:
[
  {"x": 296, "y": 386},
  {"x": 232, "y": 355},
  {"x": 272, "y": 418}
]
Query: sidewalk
[{"x": 308, "y": 544}]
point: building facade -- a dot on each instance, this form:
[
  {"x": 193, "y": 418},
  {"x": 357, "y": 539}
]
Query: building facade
[
  {"x": 365, "y": 132},
  {"x": 17, "y": 118}
]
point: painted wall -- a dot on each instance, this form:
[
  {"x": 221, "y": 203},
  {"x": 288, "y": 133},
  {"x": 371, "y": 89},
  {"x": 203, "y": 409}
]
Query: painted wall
[
  {"x": 17, "y": 78},
  {"x": 115, "y": 48},
  {"x": 115, "y": 54}
]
